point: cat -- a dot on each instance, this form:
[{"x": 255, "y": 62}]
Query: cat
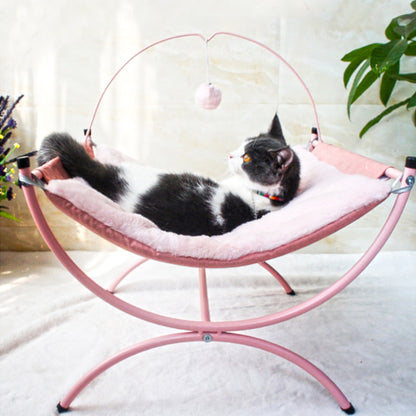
[{"x": 265, "y": 175}]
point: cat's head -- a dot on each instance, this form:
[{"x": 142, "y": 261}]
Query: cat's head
[
  {"x": 266, "y": 160},
  {"x": 266, "y": 163}
]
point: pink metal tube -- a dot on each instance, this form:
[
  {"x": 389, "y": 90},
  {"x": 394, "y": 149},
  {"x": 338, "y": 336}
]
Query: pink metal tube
[
  {"x": 252, "y": 323},
  {"x": 206, "y": 40},
  {"x": 352, "y": 274},
  {"x": 69, "y": 264},
  {"x": 88, "y": 133},
  {"x": 120, "y": 278},
  {"x": 267, "y": 346},
  {"x": 203, "y": 295},
  {"x": 290, "y": 356},
  {"x": 292, "y": 69},
  {"x": 278, "y": 277},
  {"x": 393, "y": 173},
  {"x": 115, "y": 359}
]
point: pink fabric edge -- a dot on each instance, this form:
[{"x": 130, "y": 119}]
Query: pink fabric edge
[
  {"x": 144, "y": 250},
  {"x": 349, "y": 162}
]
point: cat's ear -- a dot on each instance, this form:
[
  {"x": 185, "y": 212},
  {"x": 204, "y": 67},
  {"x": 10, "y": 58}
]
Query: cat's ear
[
  {"x": 276, "y": 129},
  {"x": 283, "y": 157}
]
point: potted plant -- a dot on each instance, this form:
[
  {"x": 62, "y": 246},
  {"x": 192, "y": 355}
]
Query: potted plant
[
  {"x": 383, "y": 61},
  {"x": 7, "y": 168}
]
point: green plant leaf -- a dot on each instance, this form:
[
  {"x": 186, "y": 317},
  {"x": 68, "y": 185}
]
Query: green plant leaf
[
  {"x": 355, "y": 84},
  {"x": 403, "y": 26},
  {"x": 9, "y": 216},
  {"x": 388, "y": 82},
  {"x": 350, "y": 70},
  {"x": 360, "y": 53},
  {"x": 363, "y": 86},
  {"x": 412, "y": 101},
  {"x": 384, "y": 113},
  {"x": 413, "y": 4},
  {"x": 411, "y": 29},
  {"x": 385, "y": 56},
  {"x": 406, "y": 25},
  {"x": 411, "y": 49},
  {"x": 390, "y": 32},
  {"x": 414, "y": 118},
  {"x": 406, "y": 77}
]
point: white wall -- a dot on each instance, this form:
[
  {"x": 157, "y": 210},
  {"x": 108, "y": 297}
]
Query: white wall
[{"x": 61, "y": 54}]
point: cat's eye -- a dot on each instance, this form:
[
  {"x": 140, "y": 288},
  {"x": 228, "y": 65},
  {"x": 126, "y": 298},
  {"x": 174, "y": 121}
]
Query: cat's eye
[{"x": 246, "y": 158}]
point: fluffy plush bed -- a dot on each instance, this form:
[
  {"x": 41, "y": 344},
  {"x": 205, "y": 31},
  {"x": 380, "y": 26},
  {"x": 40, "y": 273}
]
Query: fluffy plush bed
[{"x": 325, "y": 195}]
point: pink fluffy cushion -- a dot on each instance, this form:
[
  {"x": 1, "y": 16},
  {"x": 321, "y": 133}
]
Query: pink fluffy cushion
[{"x": 327, "y": 200}]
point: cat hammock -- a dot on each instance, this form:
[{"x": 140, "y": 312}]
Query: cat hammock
[{"x": 337, "y": 187}]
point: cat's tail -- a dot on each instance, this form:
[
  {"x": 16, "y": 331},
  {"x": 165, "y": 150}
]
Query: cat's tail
[
  {"x": 73, "y": 156},
  {"x": 77, "y": 163}
]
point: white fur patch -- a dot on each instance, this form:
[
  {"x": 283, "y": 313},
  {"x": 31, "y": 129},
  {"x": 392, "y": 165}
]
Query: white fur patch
[
  {"x": 235, "y": 160},
  {"x": 140, "y": 179},
  {"x": 216, "y": 203}
]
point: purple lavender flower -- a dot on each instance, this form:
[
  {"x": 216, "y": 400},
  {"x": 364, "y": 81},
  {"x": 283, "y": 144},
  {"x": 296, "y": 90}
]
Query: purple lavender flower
[
  {"x": 10, "y": 194},
  {"x": 11, "y": 124},
  {"x": 7, "y": 125},
  {"x": 3, "y": 103},
  {"x": 9, "y": 111}
]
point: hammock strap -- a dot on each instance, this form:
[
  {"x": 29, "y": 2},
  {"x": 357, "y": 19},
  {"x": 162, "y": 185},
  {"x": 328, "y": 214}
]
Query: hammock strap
[
  {"x": 34, "y": 181},
  {"x": 410, "y": 181}
]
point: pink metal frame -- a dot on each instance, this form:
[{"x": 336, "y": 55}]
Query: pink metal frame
[
  {"x": 204, "y": 329},
  {"x": 88, "y": 143}
]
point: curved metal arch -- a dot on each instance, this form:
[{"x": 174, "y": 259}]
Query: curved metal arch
[
  {"x": 239, "y": 339},
  {"x": 219, "y": 326},
  {"x": 206, "y": 41}
]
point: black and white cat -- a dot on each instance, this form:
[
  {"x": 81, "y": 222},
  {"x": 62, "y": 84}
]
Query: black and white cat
[{"x": 265, "y": 175}]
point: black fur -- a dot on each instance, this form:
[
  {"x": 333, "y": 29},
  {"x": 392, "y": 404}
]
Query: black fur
[
  {"x": 181, "y": 203},
  {"x": 76, "y": 162},
  {"x": 236, "y": 212}
]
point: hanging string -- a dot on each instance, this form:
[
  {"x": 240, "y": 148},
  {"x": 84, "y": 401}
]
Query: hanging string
[{"x": 207, "y": 62}]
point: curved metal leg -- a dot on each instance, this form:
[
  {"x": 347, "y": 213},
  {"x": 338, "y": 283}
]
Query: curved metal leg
[
  {"x": 64, "y": 404},
  {"x": 296, "y": 359},
  {"x": 258, "y": 343},
  {"x": 278, "y": 277},
  {"x": 119, "y": 279}
]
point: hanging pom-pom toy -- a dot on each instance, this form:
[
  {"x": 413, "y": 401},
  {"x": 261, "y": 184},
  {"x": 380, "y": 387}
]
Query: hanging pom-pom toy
[{"x": 207, "y": 96}]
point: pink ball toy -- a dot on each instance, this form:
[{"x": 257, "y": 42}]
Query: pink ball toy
[{"x": 207, "y": 96}]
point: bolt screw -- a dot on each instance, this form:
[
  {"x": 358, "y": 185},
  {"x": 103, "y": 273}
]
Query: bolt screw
[{"x": 207, "y": 338}]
